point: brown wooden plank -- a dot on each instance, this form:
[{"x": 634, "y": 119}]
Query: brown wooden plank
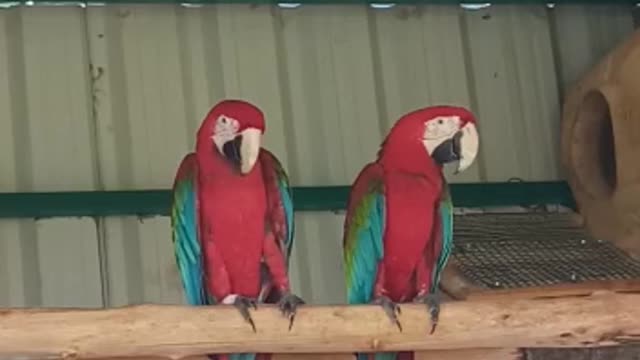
[
  {"x": 471, "y": 354},
  {"x": 560, "y": 290},
  {"x": 177, "y": 331}
]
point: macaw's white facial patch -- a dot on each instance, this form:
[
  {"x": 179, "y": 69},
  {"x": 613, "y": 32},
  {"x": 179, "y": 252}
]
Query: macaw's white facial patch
[
  {"x": 439, "y": 129},
  {"x": 225, "y": 130}
]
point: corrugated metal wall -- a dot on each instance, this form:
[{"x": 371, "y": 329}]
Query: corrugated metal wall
[{"x": 110, "y": 98}]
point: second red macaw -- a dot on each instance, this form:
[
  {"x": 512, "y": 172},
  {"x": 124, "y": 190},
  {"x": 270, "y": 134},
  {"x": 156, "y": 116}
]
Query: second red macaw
[{"x": 398, "y": 230}]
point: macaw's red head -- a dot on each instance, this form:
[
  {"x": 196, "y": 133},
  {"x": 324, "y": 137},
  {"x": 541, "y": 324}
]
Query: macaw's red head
[
  {"x": 447, "y": 133},
  {"x": 233, "y": 129}
]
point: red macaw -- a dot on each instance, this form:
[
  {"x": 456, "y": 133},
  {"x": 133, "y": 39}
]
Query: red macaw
[
  {"x": 232, "y": 216},
  {"x": 398, "y": 229}
]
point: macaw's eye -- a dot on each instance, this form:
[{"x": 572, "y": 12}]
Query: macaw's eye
[{"x": 440, "y": 121}]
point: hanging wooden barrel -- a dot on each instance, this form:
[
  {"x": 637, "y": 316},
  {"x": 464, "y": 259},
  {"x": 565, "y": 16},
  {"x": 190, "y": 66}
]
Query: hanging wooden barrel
[{"x": 601, "y": 146}]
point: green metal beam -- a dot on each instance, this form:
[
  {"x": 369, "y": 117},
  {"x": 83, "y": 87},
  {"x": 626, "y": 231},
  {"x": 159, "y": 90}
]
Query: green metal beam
[
  {"x": 342, "y": 2},
  {"x": 330, "y": 198}
]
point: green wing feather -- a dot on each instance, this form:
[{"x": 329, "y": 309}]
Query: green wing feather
[
  {"x": 446, "y": 216},
  {"x": 279, "y": 188},
  {"x": 363, "y": 234},
  {"x": 185, "y": 232},
  {"x": 280, "y": 217},
  {"x": 363, "y": 240}
]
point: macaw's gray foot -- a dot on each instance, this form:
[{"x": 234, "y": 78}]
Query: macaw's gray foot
[
  {"x": 390, "y": 308},
  {"x": 288, "y": 305},
  {"x": 433, "y": 305},
  {"x": 242, "y": 303}
]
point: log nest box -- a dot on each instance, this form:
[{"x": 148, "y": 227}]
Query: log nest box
[{"x": 601, "y": 146}]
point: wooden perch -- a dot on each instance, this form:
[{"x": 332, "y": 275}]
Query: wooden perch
[
  {"x": 176, "y": 331},
  {"x": 558, "y": 290}
]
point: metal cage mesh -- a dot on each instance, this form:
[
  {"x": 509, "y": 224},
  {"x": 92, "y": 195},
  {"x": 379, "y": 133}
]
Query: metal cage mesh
[{"x": 534, "y": 249}]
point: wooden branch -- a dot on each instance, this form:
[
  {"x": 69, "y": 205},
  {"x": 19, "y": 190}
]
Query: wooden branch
[{"x": 177, "y": 331}]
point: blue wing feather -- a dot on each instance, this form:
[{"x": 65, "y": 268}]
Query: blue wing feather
[
  {"x": 287, "y": 202},
  {"x": 184, "y": 221},
  {"x": 277, "y": 182},
  {"x": 363, "y": 234},
  {"x": 445, "y": 210},
  {"x": 368, "y": 250},
  {"x": 363, "y": 240}
]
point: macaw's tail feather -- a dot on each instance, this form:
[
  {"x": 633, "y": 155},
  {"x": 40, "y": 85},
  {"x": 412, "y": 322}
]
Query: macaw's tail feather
[
  {"x": 386, "y": 356},
  {"x": 237, "y": 357},
  {"x": 242, "y": 356},
  {"x": 383, "y": 356}
]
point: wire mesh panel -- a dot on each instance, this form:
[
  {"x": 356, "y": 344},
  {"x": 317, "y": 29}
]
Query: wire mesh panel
[{"x": 534, "y": 249}]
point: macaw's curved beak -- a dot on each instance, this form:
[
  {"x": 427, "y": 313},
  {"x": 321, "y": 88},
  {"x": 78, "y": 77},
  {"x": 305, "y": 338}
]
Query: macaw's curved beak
[
  {"x": 461, "y": 147},
  {"x": 244, "y": 149}
]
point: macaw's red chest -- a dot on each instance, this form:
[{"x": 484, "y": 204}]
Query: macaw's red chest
[
  {"x": 233, "y": 209},
  {"x": 411, "y": 202}
]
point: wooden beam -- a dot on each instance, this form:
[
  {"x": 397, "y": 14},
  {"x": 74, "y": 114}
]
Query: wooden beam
[
  {"x": 471, "y": 354},
  {"x": 560, "y": 290},
  {"x": 177, "y": 331}
]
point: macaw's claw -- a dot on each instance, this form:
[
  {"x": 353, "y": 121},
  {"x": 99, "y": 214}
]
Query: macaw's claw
[
  {"x": 288, "y": 305},
  {"x": 243, "y": 304},
  {"x": 433, "y": 305},
  {"x": 390, "y": 308}
]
